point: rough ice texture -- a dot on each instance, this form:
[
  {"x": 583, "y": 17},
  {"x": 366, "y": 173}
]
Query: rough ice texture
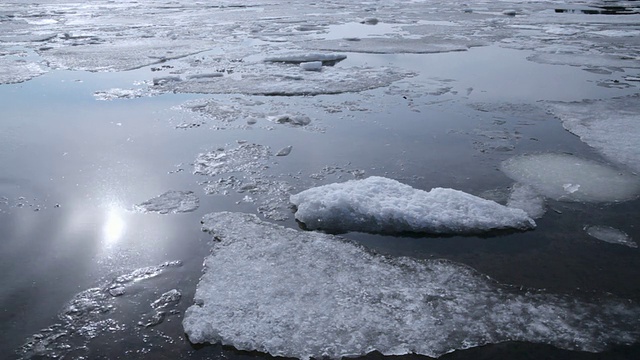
[
  {"x": 116, "y": 93},
  {"x": 378, "y": 204},
  {"x": 283, "y": 79},
  {"x": 391, "y": 45},
  {"x": 305, "y": 294},
  {"x": 171, "y": 202},
  {"x": 527, "y": 198},
  {"x": 570, "y": 178},
  {"x": 610, "y": 126},
  {"x": 18, "y": 70},
  {"x": 610, "y": 235}
]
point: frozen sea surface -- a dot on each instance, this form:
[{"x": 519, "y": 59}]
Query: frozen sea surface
[
  {"x": 304, "y": 294},
  {"x": 378, "y": 204}
]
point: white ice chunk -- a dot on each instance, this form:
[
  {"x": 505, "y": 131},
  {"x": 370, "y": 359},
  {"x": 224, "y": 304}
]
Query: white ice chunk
[
  {"x": 610, "y": 126},
  {"x": 307, "y": 57},
  {"x": 311, "y": 66},
  {"x": 570, "y": 178},
  {"x": 526, "y": 198},
  {"x": 378, "y": 204},
  {"x": 171, "y": 201},
  {"x": 305, "y": 294},
  {"x": 116, "y": 93},
  {"x": 610, "y": 235},
  {"x": 17, "y": 70},
  {"x": 284, "y": 151},
  {"x": 294, "y": 120}
]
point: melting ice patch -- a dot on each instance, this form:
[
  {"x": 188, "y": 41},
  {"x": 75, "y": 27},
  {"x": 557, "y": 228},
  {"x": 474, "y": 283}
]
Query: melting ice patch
[
  {"x": 526, "y": 198},
  {"x": 305, "y": 294},
  {"x": 610, "y": 126},
  {"x": 17, "y": 70},
  {"x": 378, "y": 204},
  {"x": 170, "y": 202},
  {"x": 570, "y": 178},
  {"x": 610, "y": 235},
  {"x": 94, "y": 312}
]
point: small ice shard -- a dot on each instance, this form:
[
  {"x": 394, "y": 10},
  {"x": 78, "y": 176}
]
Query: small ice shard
[
  {"x": 526, "y": 198},
  {"x": 326, "y": 59},
  {"x": 570, "y": 178},
  {"x": 370, "y": 21},
  {"x": 284, "y": 151},
  {"x": 510, "y": 12},
  {"x": 167, "y": 299},
  {"x": 571, "y": 188},
  {"x": 171, "y": 201},
  {"x": 632, "y": 78},
  {"x": 312, "y": 66},
  {"x": 610, "y": 235},
  {"x": 382, "y": 205},
  {"x": 295, "y": 120},
  {"x": 308, "y": 295}
]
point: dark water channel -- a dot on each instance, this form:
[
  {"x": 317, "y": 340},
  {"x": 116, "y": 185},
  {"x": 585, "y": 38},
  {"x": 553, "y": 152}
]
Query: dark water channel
[{"x": 72, "y": 167}]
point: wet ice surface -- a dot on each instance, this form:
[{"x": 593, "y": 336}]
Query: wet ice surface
[
  {"x": 570, "y": 178},
  {"x": 95, "y": 312},
  {"x": 610, "y": 126},
  {"x": 432, "y": 93},
  {"x": 610, "y": 235},
  {"x": 314, "y": 295},
  {"x": 378, "y": 204},
  {"x": 172, "y": 201}
]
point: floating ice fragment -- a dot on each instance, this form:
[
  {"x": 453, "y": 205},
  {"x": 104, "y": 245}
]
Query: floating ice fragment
[
  {"x": 378, "y": 204},
  {"x": 17, "y": 70},
  {"x": 171, "y": 201},
  {"x": 610, "y": 235},
  {"x": 284, "y": 151},
  {"x": 159, "y": 81},
  {"x": 116, "y": 93},
  {"x": 205, "y": 75},
  {"x": 570, "y": 178},
  {"x": 294, "y": 120},
  {"x": 526, "y": 198},
  {"x": 610, "y": 126},
  {"x": 304, "y": 294},
  {"x": 312, "y": 66},
  {"x": 326, "y": 59}
]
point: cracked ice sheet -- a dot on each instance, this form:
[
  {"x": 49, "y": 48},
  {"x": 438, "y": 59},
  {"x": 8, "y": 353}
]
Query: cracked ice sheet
[
  {"x": 304, "y": 294},
  {"x": 121, "y": 55},
  {"x": 14, "y": 70},
  {"x": 289, "y": 80},
  {"x": 610, "y": 126}
]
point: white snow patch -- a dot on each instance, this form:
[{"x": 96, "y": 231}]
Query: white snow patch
[
  {"x": 378, "y": 204},
  {"x": 304, "y": 294},
  {"x": 610, "y": 126},
  {"x": 570, "y": 178},
  {"x": 525, "y": 197},
  {"x": 171, "y": 201},
  {"x": 610, "y": 235}
]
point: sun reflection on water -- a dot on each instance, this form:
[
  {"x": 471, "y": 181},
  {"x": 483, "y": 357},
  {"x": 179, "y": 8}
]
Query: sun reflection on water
[{"x": 114, "y": 226}]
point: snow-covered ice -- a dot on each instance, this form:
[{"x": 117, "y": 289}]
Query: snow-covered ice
[
  {"x": 172, "y": 201},
  {"x": 293, "y": 120},
  {"x": 14, "y": 70},
  {"x": 610, "y": 235},
  {"x": 311, "y": 66},
  {"x": 382, "y": 205},
  {"x": 305, "y": 294},
  {"x": 610, "y": 126},
  {"x": 570, "y": 178}
]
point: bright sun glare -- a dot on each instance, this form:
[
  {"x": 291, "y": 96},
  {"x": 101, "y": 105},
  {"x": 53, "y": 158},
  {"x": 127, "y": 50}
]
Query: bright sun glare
[{"x": 113, "y": 226}]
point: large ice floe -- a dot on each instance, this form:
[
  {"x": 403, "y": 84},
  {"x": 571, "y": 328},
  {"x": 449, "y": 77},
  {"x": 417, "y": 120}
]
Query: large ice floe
[
  {"x": 15, "y": 70},
  {"x": 610, "y": 126},
  {"x": 610, "y": 235},
  {"x": 305, "y": 294},
  {"x": 382, "y": 205},
  {"x": 570, "y": 178}
]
